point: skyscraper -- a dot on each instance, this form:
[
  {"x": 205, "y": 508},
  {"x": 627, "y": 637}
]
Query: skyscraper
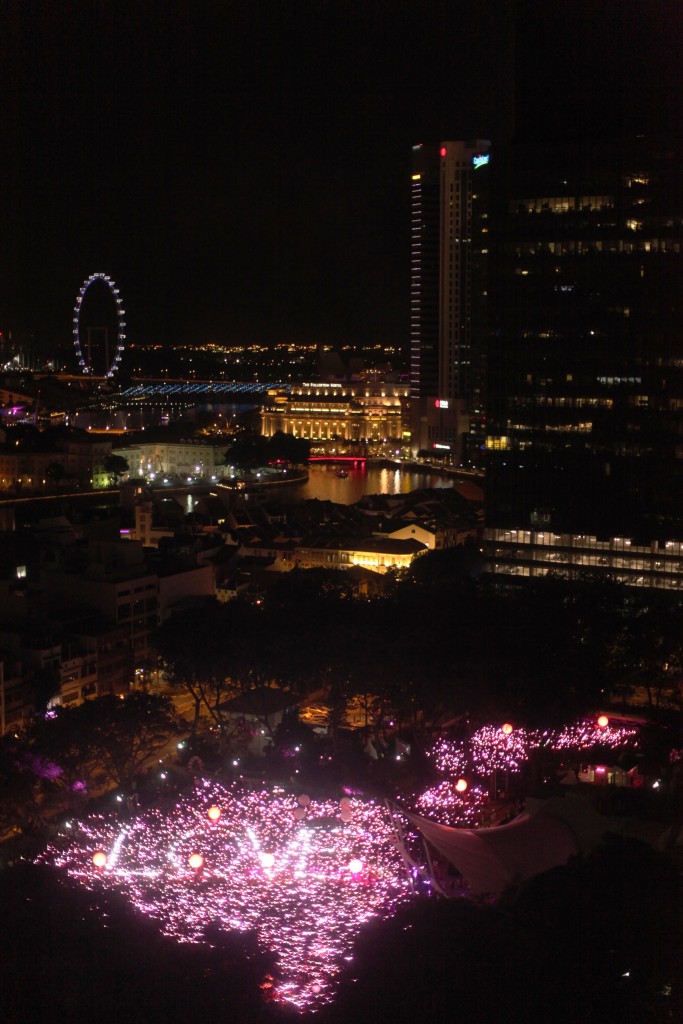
[
  {"x": 447, "y": 293},
  {"x": 585, "y": 363}
]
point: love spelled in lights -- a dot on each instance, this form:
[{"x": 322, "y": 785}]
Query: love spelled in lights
[{"x": 306, "y": 885}]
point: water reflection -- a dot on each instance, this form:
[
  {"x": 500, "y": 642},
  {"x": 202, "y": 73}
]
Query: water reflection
[{"x": 324, "y": 484}]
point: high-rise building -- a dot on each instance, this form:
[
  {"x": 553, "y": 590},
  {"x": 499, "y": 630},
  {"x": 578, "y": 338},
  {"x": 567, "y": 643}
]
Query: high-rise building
[
  {"x": 585, "y": 362},
  {"x": 449, "y": 246}
]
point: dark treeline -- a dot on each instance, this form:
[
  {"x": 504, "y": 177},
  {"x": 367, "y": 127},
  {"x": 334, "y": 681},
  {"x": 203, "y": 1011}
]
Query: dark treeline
[{"x": 439, "y": 640}]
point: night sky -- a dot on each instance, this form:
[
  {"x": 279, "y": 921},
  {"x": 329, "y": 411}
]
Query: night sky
[{"x": 241, "y": 168}]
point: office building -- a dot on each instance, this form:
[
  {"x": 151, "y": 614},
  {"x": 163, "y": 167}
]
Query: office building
[
  {"x": 448, "y": 295},
  {"x": 585, "y": 364}
]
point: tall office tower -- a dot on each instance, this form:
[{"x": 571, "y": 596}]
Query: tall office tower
[
  {"x": 448, "y": 294},
  {"x": 585, "y": 366}
]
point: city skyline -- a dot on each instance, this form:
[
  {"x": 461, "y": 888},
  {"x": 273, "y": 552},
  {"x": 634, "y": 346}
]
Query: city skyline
[{"x": 242, "y": 174}]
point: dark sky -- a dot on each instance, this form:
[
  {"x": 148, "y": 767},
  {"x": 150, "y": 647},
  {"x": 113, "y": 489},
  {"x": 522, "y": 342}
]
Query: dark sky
[{"x": 242, "y": 168}]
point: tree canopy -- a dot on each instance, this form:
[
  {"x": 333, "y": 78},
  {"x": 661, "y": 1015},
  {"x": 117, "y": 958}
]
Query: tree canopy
[{"x": 251, "y": 450}]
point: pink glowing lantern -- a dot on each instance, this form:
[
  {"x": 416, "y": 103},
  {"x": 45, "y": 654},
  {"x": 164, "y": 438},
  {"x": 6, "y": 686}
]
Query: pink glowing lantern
[
  {"x": 267, "y": 860},
  {"x": 507, "y": 729},
  {"x": 461, "y": 785},
  {"x": 300, "y": 813},
  {"x": 346, "y": 814},
  {"x": 303, "y": 800},
  {"x": 345, "y": 803},
  {"x": 99, "y": 859},
  {"x": 355, "y": 866},
  {"x": 196, "y": 861},
  {"x": 603, "y": 722},
  {"x": 214, "y": 813}
]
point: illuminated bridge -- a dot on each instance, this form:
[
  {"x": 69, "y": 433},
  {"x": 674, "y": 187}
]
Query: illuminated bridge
[{"x": 188, "y": 392}]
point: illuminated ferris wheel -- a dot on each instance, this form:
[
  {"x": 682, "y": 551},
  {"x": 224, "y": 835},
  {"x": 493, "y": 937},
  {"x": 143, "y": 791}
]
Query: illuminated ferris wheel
[{"x": 98, "y": 349}]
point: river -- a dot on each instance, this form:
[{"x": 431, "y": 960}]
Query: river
[{"x": 324, "y": 484}]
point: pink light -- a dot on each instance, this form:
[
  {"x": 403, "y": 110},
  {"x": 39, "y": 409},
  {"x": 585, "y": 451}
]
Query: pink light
[
  {"x": 603, "y": 722},
  {"x": 355, "y": 866},
  {"x": 214, "y": 813},
  {"x": 309, "y": 865},
  {"x": 99, "y": 858},
  {"x": 461, "y": 785},
  {"x": 443, "y": 151}
]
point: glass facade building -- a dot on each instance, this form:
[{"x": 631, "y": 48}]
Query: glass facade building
[{"x": 584, "y": 405}]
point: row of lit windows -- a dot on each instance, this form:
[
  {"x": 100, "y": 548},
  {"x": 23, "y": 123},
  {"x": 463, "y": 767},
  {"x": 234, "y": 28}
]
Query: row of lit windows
[
  {"x": 611, "y": 245},
  {"x": 586, "y": 542},
  {"x": 654, "y": 580},
  {"x": 592, "y": 560},
  {"x": 562, "y": 204},
  {"x": 560, "y": 402}
]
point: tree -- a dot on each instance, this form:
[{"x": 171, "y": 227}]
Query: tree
[
  {"x": 17, "y": 788},
  {"x": 248, "y": 452},
  {"x": 193, "y": 650},
  {"x": 122, "y": 735},
  {"x": 103, "y": 739},
  {"x": 288, "y": 448},
  {"x": 115, "y": 466}
]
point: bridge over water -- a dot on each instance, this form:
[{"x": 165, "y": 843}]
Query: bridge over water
[{"x": 188, "y": 392}]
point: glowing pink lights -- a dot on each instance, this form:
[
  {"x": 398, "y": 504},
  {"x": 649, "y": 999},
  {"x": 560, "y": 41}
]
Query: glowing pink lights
[{"x": 293, "y": 882}]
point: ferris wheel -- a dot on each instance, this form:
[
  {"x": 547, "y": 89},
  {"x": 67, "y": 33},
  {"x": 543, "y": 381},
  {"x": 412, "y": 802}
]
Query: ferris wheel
[{"x": 109, "y": 362}]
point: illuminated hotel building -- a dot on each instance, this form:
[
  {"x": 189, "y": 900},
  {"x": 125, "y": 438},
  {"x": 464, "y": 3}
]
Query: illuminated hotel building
[
  {"x": 448, "y": 293},
  {"x": 585, "y": 364},
  {"x": 360, "y": 412}
]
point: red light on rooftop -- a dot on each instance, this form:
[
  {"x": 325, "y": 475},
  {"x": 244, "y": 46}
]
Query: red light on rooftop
[{"x": 443, "y": 151}]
